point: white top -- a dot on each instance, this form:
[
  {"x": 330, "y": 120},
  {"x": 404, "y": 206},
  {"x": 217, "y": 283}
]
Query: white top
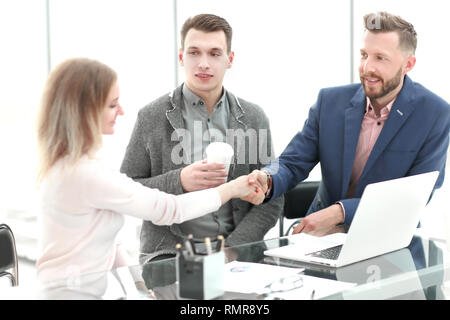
[{"x": 81, "y": 213}]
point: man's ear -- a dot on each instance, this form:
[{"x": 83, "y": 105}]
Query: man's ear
[
  {"x": 180, "y": 57},
  {"x": 410, "y": 63},
  {"x": 230, "y": 59}
]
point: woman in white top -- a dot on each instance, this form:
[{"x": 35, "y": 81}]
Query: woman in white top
[{"x": 83, "y": 201}]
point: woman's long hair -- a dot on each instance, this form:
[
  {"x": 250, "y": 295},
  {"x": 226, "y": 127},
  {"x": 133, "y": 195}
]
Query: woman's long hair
[{"x": 69, "y": 118}]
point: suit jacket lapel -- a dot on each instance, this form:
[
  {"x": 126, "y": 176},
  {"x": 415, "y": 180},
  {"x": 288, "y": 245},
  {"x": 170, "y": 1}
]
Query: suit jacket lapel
[
  {"x": 400, "y": 111},
  {"x": 353, "y": 119},
  {"x": 173, "y": 112},
  {"x": 235, "y": 122},
  {"x": 180, "y": 138},
  {"x": 236, "y": 113}
]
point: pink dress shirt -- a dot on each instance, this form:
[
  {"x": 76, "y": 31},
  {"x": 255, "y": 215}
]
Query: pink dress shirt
[{"x": 370, "y": 130}]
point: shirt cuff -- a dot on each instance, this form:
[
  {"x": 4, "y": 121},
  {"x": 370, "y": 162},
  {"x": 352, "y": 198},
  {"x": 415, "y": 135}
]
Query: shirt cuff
[{"x": 342, "y": 207}]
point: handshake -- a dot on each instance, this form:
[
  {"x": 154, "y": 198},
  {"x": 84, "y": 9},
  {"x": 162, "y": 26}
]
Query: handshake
[
  {"x": 203, "y": 175},
  {"x": 259, "y": 180},
  {"x": 251, "y": 188}
]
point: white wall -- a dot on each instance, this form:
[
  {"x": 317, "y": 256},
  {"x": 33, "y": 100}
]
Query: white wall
[
  {"x": 134, "y": 37},
  {"x": 23, "y": 70}
]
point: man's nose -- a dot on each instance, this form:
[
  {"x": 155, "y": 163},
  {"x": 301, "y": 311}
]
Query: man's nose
[
  {"x": 368, "y": 66},
  {"x": 204, "y": 62}
]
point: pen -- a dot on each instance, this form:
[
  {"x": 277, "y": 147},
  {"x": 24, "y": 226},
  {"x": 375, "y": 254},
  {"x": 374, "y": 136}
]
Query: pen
[
  {"x": 189, "y": 249},
  {"x": 220, "y": 243},
  {"x": 208, "y": 245},
  {"x": 180, "y": 251},
  {"x": 191, "y": 240},
  {"x": 312, "y": 294}
]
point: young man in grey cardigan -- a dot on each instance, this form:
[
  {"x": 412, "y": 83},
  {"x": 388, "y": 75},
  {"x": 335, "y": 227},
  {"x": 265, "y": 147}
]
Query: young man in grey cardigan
[{"x": 171, "y": 133}]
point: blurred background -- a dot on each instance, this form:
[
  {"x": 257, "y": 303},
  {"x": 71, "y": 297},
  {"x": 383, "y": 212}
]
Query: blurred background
[{"x": 285, "y": 51}]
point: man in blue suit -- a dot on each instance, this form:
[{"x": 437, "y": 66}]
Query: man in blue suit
[{"x": 387, "y": 127}]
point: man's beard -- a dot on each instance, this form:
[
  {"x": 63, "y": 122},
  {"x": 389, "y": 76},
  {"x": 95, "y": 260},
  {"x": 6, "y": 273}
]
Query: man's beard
[{"x": 387, "y": 86}]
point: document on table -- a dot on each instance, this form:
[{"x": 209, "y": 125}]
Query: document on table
[
  {"x": 320, "y": 286},
  {"x": 247, "y": 277}
]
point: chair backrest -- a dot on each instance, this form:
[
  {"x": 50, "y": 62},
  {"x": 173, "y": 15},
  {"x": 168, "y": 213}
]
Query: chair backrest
[
  {"x": 8, "y": 255},
  {"x": 297, "y": 202}
]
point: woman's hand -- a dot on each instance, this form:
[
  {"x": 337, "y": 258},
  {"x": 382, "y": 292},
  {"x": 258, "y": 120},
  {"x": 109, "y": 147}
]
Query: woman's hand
[
  {"x": 238, "y": 188},
  {"x": 260, "y": 179},
  {"x": 244, "y": 186}
]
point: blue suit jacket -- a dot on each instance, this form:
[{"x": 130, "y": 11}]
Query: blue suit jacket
[{"x": 414, "y": 140}]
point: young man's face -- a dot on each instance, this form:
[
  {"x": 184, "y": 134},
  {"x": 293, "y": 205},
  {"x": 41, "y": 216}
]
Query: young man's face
[
  {"x": 205, "y": 60},
  {"x": 383, "y": 66}
]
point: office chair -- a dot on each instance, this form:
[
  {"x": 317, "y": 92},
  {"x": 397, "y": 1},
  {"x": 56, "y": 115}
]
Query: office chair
[
  {"x": 8, "y": 255},
  {"x": 297, "y": 202}
]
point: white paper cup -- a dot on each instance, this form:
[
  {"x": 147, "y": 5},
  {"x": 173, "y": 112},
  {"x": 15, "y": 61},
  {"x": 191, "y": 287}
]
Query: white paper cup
[{"x": 220, "y": 152}]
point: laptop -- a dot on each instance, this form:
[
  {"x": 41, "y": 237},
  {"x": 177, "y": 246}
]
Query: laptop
[{"x": 385, "y": 220}]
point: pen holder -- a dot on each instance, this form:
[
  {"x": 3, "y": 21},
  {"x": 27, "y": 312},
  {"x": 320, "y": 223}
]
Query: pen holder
[{"x": 200, "y": 276}]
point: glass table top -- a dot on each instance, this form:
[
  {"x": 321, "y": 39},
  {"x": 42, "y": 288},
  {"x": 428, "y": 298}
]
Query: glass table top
[{"x": 419, "y": 271}]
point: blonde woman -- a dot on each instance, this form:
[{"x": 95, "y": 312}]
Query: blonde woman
[{"x": 83, "y": 201}]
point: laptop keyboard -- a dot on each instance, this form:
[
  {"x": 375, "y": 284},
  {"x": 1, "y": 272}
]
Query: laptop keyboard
[{"x": 330, "y": 253}]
